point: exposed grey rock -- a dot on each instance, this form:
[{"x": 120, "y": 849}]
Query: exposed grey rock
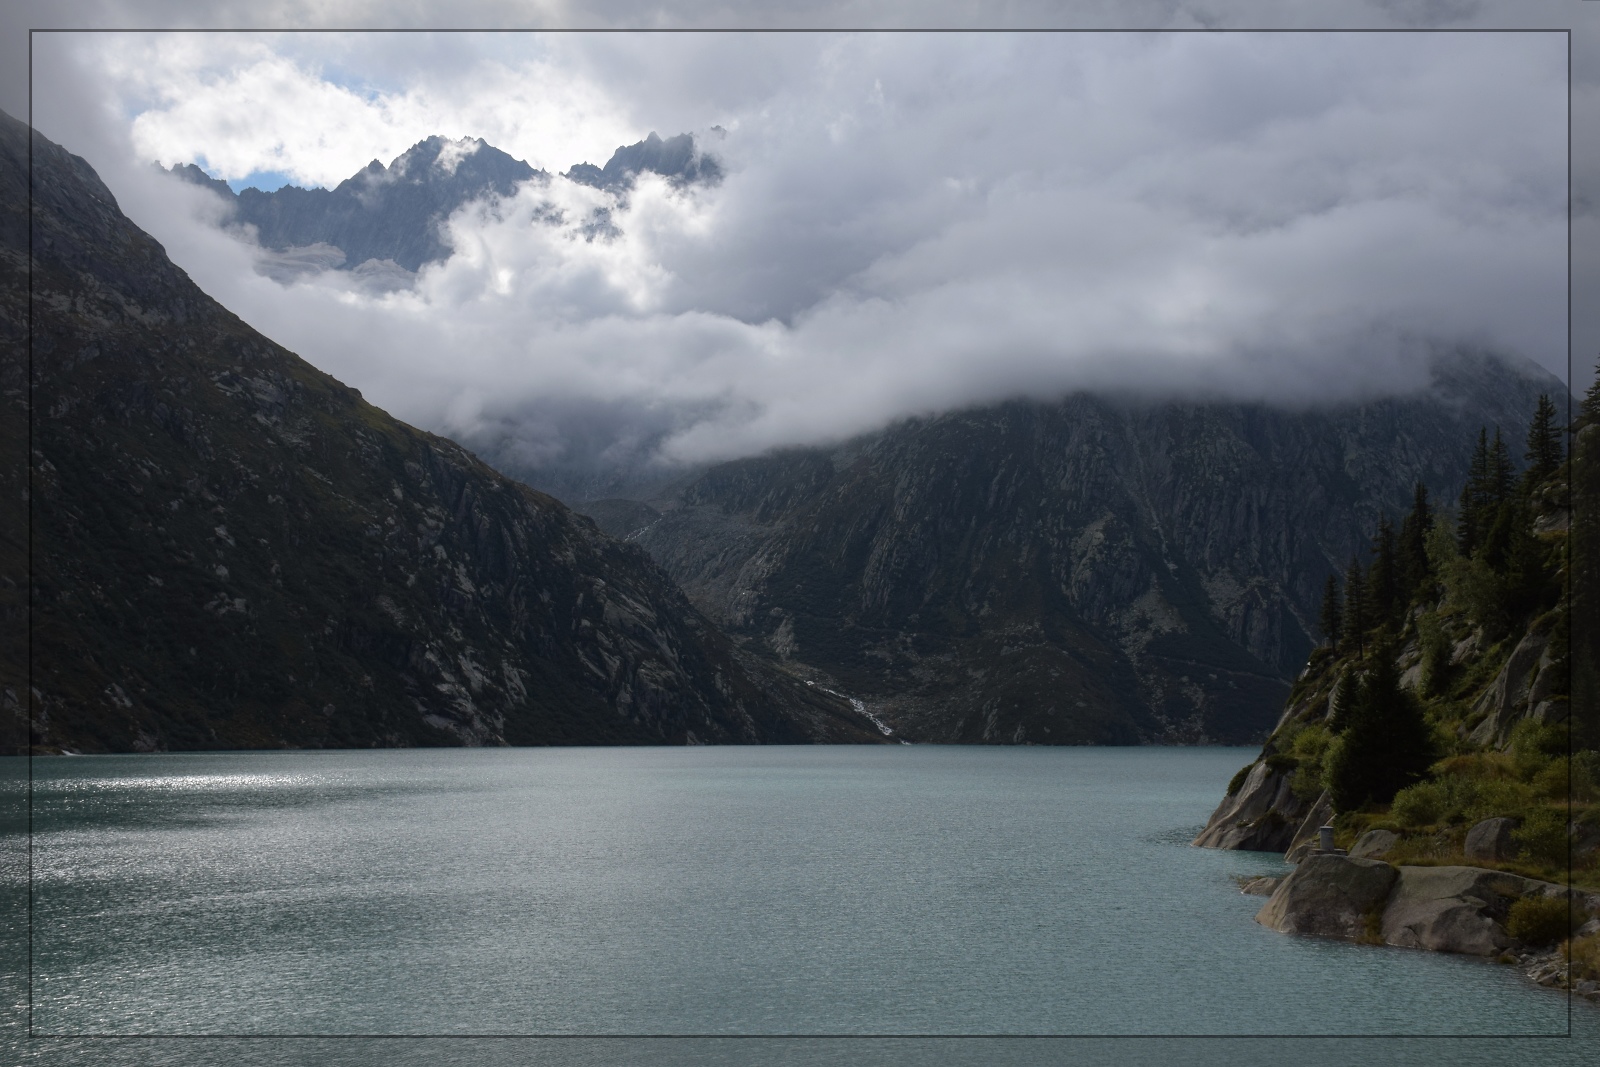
[
  {"x": 619, "y": 518},
  {"x": 1373, "y": 844},
  {"x": 1491, "y": 840},
  {"x": 1329, "y": 896},
  {"x": 1264, "y": 886},
  {"x": 1505, "y": 699},
  {"x": 1455, "y": 909},
  {"x": 1320, "y": 814},
  {"x": 1552, "y": 712},
  {"x": 1466, "y": 648},
  {"x": 1254, "y": 818}
]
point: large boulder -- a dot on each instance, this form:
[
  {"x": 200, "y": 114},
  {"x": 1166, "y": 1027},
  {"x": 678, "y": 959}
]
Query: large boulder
[
  {"x": 1259, "y": 817},
  {"x": 1491, "y": 840},
  {"x": 1329, "y": 896},
  {"x": 1455, "y": 909}
]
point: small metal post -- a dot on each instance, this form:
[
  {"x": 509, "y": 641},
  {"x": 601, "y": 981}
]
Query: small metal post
[{"x": 1325, "y": 838}]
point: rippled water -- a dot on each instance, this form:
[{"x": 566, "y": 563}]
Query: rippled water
[{"x": 854, "y": 891}]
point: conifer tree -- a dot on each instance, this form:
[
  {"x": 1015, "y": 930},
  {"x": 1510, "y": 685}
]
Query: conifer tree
[
  {"x": 1383, "y": 583},
  {"x": 1357, "y": 607},
  {"x": 1472, "y": 497},
  {"x": 1416, "y": 571},
  {"x": 1386, "y": 744},
  {"x": 1332, "y": 618},
  {"x": 1544, "y": 452},
  {"x": 1502, "y": 475}
]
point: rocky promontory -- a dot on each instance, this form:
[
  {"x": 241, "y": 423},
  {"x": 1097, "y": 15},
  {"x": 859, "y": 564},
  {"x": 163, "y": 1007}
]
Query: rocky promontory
[{"x": 1466, "y": 910}]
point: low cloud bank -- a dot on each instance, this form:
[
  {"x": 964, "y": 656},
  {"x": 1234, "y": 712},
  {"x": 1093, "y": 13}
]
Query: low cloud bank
[{"x": 904, "y": 225}]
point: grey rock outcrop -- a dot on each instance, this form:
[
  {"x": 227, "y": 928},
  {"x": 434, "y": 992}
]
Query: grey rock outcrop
[
  {"x": 1454, "y": 909},
  {"x": 1264, "y": 886},
  {"x": 1254, "y": 817},
  {"x": 1373, "y": 845},
  {"x": 1304, "y": 840},
  {"x": 1491, "y": 840},
  {"x": 1504, "y": 703},
  {"x": 1439, "y": 909},
  {"x": 1330, "y": 896}
]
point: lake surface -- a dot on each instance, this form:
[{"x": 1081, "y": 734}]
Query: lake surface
[{"x": 803, "y": 891}]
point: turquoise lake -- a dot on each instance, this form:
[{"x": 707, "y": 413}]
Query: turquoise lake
[{"x": 897, "y": 904}]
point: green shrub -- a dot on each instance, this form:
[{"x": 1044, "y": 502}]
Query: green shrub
[
  {"x": 1551, "y": 783},
  {"x": 1534, "y": 745},
  {"x": 1423, "y": 804},
  {"x": 1238, "y": 779},
  {"x": 1310, "y": 751},
  {"x": 1585, "y": 955},
  {"x": 1281, "y": 763},
  {"x": 1543, "y": 834},
  {"x": 1543, "y": 920},
  {"x": 1586, "y": 775},
  {"x": 1490, "y": 798}
]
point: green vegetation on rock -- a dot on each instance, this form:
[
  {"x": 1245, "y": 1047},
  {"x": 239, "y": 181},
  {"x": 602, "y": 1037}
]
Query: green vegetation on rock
[{"x": 1453, "y": 688}]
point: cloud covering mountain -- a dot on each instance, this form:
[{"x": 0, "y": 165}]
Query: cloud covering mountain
[{"x": 905, "y": 224}]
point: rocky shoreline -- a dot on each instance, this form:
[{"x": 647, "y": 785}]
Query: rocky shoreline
[{"x": 1457, "y": 909}]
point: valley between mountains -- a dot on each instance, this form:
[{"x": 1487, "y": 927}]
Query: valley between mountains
[{"x": 231, "y": 549}]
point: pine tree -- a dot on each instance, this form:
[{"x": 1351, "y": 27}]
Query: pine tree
[
  {"x": 1332, "y": 618},
  {"x": 1416, "y": 571},
  {"x": 1544, "y": 452},
  {"x": 1472, "y": 497},
  {"x": 1386, "y": 744},
  {"x": 1502, "y": 475},
  {"x": 1589, "y": 406},
  {"x": 1383, "y": 583},
  {"x": 1357, "y": 607}
]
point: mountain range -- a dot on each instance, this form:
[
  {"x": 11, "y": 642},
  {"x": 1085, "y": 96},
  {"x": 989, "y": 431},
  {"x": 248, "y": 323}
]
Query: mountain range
[
  {"x": 387, "y": 222},
  {"x": 1088, "y": 570},
  {"x": 229, "y": 549}
]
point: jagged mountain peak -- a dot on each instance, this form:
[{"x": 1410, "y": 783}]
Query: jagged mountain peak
[{"x": 674, "y": 158}]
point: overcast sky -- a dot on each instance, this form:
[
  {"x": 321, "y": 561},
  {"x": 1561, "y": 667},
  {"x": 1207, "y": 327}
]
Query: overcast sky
[{"x": 909, "y": 223}]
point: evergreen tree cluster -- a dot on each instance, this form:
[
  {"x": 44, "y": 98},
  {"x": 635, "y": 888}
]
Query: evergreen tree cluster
[
  {"x": 1491, "y": 564},
  {"x": 1501, "y": 571},
  {"x": 1384, "y": 744}
]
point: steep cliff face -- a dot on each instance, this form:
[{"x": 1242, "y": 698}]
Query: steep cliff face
[
  {"x": 1084, "y": 571},
  {"x": 231, "y": 549}
]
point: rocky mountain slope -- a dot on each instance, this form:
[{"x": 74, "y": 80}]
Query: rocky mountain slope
[
  {"x": 1087, "y": 571},
  {"x": 231, "y": 549},
  {"x": 1450, "y": 742}
]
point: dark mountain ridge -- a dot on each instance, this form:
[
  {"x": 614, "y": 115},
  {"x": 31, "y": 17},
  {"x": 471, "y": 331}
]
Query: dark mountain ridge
[
  {"x": 1086, "y": 571},
  {"x": 231, "y": 549}
]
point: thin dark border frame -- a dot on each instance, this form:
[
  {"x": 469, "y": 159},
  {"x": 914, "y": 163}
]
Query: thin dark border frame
[{"x": 34, "y": 1035}]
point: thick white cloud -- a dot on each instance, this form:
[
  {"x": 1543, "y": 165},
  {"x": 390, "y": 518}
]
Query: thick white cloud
[{"x": 908, "y": 223}]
